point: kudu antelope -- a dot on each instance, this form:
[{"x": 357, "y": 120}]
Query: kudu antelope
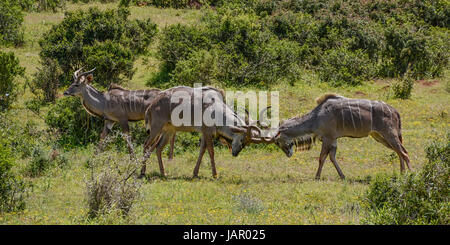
[
  {"x": 160, "y": 124},
  {"x": 115, "y": 105},
  {"x": 335, "y": 117}
]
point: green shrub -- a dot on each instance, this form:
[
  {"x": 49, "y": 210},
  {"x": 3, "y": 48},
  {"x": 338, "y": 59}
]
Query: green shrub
[
  {"x": 417, "y": 198},
  {"x": 11, "y": 19},
  {"x": 112, "y": 184},
  {"x": 230, "y": 48},
  {"x": 43, "y": 5},
  {"x": 408, "y": 47},
  {"x": 178, "y": 42},
  {"x": 12, "y": 189},
  {"x": 403, "y": 89},
  {"x": 113, "y": 61},
  {"x": 97, "y": 38},
  {"x": 9, "y": 70},
  {"x": 46, "y": 80},
  {"x": 73, "y": 125},
  {"x": 173, "y": 3},
  {"x": 39, "y": 163},
  {"x": 21, "y": 139},
  {"x": 343, "y": 67}
]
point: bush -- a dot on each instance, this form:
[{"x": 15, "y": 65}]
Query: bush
[
  {"x": 233, "y": 49},
  {"x": 46, "y": 81},
  {"x": 11, "y": 19},
  {"x": 421, "y": 198},
  {"x": 9, "y": 70},
  {"x": 21, "y": 139},
  {"x": 261, "y": 42},
  {"x": 39, "y": 163},
  {"x": 112, "y": 57},
  {"x": 12, "y": 189},
  {"x": 97, "y": 38},
  {"x": 112, "y": 184},
  {"x": 343, "y": 67},
  {"x": 173, "y": 3},
  {"x": 74, "y": 126},
  {"x": 403, "y": 89},
  {"x": 42, "y": 5},
  {"x": 178, "y": 42},
  {"x": 407, "y": 47}
]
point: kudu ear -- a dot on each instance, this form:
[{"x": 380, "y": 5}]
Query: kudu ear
[{"x": 89, "y": 78}]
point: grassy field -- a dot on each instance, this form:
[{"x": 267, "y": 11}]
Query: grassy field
[{"x": 260, "y": 186}]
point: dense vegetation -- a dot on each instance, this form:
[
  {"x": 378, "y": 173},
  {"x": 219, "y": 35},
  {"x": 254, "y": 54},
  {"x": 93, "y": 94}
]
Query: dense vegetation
[
  {"x": 346, "y": 42},
  {"x": 11, "y": 19},
  {"x": 420, "y": 198},
  {"x": 396, "y": 51}
]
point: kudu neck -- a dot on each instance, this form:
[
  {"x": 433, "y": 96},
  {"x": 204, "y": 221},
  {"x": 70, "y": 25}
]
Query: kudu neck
[
  {"x": 93, "y": 99},
  {"x": 304, "y": 125}
]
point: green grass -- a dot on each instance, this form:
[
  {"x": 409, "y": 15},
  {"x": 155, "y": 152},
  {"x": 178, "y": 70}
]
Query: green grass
[{"x": 261, "y": 185}]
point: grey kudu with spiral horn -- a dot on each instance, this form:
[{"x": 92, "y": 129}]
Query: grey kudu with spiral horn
[
  {"x": 337, "y": 116},
  {"x": 115, "y": 105}
]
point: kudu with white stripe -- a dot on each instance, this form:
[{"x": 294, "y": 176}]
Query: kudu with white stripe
[
  {"x": 160, "y": 124},
  {"x": 117, "y": 105},
  {"x": 335, "y": 117}
]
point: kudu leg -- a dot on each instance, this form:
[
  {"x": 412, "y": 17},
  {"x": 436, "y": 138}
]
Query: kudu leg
[
  {"x": 397, "y": 146},
  {"x": 127, "y": 137},
  {"x": 161, "y": 143},
  {"x": 210, "y": 147},
  {"x": 200, "y": 156},
  {"x": 323, "y": 156},
  {"x": 172, "y": 145},
  {"x": 105, "y": 132},
  {"x": 333, "y": 149},
  {"x": 149, "y": 145}
]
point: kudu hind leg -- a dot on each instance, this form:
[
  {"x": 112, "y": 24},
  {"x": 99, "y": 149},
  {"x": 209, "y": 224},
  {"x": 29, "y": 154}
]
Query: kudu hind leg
[
  {"x": 172, "y": 145},
  {"x": 394, "y": 141}
]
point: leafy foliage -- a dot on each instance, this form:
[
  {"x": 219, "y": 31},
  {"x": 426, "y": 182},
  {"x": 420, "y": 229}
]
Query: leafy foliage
[
  {"x": 11, "y": 19},
  {"x": 104, "y": 39},
  {"x": 260, "y": 42},
  {"x": 74, "y": 126},
  {"x": 12, "y": 189},
  {"x": 111, "y": 185},
  {"x": 421, "y": 198},
  {"x": 46, "y": 80},
  {"x": 9, "y": 70}
]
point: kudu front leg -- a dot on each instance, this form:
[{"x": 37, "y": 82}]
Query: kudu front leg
[
  {"x": 105, "y": 132},
  {"x": 200, "y": 156},
  {"x": 333, "y": 159},
  {"x": 149, "y": 146},
  {"x": 323, "y": 156},
  {"x": 127, "y": 137}
]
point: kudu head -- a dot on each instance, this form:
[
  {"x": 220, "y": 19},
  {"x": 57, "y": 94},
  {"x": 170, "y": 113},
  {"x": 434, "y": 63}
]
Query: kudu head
[
  {"x": 80, "y": 80},
  {"x": 292, "y": 133},
  {"x": 285, "y": 143}
]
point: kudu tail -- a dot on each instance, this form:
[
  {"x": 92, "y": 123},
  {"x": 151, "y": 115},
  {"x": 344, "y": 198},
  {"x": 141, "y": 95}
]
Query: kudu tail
[{"x": 399, "y": 128}]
